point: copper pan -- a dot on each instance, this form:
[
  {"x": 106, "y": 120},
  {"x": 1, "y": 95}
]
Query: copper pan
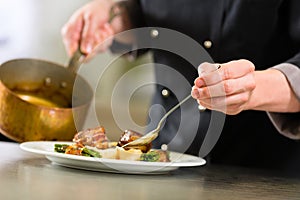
[{"x": 41, "y": 100}]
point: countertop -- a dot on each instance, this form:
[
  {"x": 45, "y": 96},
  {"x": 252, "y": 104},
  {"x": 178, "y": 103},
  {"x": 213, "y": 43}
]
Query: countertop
[{"x": 31, "y": 176}]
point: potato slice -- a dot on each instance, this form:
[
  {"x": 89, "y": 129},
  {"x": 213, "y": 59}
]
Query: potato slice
[{"x": 131, "y": 154}]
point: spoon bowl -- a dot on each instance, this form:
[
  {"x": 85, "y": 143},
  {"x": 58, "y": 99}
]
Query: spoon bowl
[{"x": 150, "y": 136}]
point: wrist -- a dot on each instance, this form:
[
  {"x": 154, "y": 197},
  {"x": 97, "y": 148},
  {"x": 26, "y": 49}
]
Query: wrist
[{"x": 272, "y": 92}]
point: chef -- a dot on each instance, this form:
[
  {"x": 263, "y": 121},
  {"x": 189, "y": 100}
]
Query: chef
[{"x": 253, "y": 45}]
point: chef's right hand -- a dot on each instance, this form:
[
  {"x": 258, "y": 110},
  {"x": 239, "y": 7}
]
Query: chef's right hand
[
  {"x": 89, "y": 26},
  {"x": 229, "y": 88}
]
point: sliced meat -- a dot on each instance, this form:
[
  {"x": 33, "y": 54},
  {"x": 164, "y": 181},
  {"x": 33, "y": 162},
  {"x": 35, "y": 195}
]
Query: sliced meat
[{"x": 94, "y": 137}]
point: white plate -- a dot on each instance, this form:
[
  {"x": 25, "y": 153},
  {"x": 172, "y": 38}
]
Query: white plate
[{"x": 111, "y": 165}]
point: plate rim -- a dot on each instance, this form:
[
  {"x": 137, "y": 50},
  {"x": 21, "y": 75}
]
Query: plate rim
[{"x": 29, "y": 147}]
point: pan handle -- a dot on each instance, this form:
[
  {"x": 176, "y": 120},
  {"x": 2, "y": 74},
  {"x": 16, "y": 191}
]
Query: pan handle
[
  {"x": 78, "y": 57},
  {"x": 76, "y": 60}
]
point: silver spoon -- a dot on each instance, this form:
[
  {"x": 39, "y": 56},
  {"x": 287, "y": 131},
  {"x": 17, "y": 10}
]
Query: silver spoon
[{"x": 150, "y": 136}]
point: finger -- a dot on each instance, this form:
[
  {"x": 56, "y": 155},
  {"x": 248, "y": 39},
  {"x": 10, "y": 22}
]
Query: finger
[
  {"x": 217, "y": 103},
  {"x": 105, "y": 38},
  {"x": 199, "y": 82},
  {"x": 230, "y": 70},
  {"x": 226, "y": 101},
  {"x": 232, "y": 104},
  {"x": 205, "y": 68},
  {"x": 228, "y": 87},
  {"x": 71, "y": 33},
  {"x": 100, "y": 34},
  {"x": 195, "y": 93},
  {"x": 204, "y": 104},
  {"x": 88, "y": 37}
]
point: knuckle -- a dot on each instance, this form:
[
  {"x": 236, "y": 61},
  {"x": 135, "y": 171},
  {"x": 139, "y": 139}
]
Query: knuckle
[
  {"x": 205, "y": 92},
  {"x": 250, "y": 66},
  {"x": 228, "y": 88},
  {"x": 251, "y": 83},
  {"x": 226, "y": 73},
  {"x": 88, "y": 16},
  {"x": 244, "y": 97}
]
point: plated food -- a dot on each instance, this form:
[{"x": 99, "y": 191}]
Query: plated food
[
  {"x": 94, "y": 143},
  {"x": 92, "y": 150}
]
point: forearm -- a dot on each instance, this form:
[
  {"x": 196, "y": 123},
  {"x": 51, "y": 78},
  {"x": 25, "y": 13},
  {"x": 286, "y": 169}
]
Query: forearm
[{"x": 273, "y": 93}]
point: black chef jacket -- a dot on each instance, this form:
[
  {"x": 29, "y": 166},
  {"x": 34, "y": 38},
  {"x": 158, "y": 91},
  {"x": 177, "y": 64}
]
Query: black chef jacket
[{"x": 265, "y": 32}]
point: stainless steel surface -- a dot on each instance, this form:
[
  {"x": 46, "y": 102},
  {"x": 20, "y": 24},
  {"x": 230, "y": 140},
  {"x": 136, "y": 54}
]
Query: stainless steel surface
[
  {"x": 29, "y": 176},
  {"x": 150, "y": 136}
]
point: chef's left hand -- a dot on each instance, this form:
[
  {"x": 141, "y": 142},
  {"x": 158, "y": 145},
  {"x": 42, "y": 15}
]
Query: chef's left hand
[{"x": 227, "y": 89}]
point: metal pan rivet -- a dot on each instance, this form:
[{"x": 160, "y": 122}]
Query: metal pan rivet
[
  {"x": 63, "y": 84},
  {"x": 47, "y": 81}
]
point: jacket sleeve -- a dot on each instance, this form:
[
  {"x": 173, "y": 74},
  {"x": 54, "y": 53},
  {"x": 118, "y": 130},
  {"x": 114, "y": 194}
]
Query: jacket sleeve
[{"x": 288, "y": 124}]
